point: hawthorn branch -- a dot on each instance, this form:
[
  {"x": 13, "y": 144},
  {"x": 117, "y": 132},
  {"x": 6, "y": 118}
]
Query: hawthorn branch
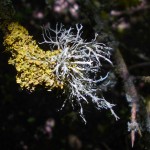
[{"x": 131, "y": 93}]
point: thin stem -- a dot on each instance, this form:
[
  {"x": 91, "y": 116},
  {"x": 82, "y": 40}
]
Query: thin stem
[{"x": 131, "y": 92}]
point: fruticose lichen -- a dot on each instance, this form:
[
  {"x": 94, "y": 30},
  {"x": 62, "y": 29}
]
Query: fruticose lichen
[{"x": 72, "y": 64}]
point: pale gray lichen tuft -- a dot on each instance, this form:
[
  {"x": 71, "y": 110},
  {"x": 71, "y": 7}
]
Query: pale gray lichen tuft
[
  {"x": 133, "y": 126},
  {"x": 79, "y": 64}
]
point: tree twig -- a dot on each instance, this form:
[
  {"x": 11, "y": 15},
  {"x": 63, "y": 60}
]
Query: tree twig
[
  {"x": 130, "y": 11},
  {"x": 131, "y": 93},
  {"x": 139, "y": 65}
]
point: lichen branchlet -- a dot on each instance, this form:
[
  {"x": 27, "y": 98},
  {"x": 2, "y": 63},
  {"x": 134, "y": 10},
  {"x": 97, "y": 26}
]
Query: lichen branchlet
[{"x": 78, "y": 64}]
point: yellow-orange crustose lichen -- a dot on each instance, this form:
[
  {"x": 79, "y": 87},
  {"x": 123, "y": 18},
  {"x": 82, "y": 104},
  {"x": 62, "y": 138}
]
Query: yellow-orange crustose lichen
[{"x": 34, "y": 66}]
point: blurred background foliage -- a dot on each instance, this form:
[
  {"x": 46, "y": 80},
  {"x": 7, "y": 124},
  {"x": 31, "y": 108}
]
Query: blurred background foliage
[{"x": 31, "y": 121}]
